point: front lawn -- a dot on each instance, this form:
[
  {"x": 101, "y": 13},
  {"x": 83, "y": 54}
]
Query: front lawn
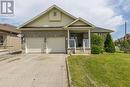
[{"x": 104, "y": 70}]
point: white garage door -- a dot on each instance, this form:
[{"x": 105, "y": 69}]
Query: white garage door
[
  {"x": 56, "y": 44},
  {"x": 34, "y": 45}
]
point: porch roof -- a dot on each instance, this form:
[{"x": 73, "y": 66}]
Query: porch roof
[
  {"x": 83, "y": 24},
  {"x": 9, "y": 28},
  {"x": 102, "y": 30}
]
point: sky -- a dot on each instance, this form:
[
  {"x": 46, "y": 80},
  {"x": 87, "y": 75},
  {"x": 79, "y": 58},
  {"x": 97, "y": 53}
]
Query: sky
[{"x": 110, "y": 14}]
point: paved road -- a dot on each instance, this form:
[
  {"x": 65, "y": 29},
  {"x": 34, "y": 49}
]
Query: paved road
[{"x": 33, "y": 70}]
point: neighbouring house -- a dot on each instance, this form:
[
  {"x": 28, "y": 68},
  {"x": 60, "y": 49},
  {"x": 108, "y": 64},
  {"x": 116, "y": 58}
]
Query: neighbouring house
[
  {"x": 9, "y": 40},
  {"x": 126, "y": 37},
  {"x": 57, "y": 31}
]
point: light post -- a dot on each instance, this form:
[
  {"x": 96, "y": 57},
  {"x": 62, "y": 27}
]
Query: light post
[{"x": 126, "y": 28}]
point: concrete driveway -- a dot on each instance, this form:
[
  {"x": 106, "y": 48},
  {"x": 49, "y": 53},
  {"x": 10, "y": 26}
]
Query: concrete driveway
[{"x": 33, "y": 70}]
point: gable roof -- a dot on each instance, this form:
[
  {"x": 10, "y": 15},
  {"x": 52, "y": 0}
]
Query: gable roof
[
  {"x": 44, "y": 12},
  {"x": 80, "y": 19},
  {"x": 97, "y": 29},
  {"x": 9, "y": 28}
]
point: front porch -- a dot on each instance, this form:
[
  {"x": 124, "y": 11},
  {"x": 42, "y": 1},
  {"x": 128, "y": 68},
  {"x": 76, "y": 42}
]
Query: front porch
[
  {"x": 79, "y": 37},
  {"x": 79, "y": 42}
]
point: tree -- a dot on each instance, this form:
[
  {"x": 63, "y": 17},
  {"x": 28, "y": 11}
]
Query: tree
[
  {"x": 109, "y": 45},
  {"x": 128, "y": 41},
  {"x": 96, "y": 44}
]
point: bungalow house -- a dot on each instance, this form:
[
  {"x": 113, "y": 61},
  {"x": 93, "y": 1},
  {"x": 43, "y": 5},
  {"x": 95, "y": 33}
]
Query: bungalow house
[
  {"x": 9, "y": 40},
  {"x": 57, "y": 31}
]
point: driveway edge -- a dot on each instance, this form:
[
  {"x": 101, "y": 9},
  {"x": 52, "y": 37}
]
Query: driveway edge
[{"x": 68, "y": 74}]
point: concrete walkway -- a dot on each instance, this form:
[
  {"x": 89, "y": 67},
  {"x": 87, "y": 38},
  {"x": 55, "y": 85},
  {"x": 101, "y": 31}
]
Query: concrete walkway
[
  {"x": 4, "y": 51},
  {"x": 33, "y": 70}
]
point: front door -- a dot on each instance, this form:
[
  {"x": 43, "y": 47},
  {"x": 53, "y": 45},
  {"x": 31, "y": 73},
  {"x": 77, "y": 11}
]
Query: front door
[{"x": 78, "y": 38}]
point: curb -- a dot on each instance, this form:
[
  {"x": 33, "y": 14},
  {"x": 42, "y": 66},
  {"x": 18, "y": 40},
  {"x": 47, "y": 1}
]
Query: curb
[{"x": 68, "y": 74}]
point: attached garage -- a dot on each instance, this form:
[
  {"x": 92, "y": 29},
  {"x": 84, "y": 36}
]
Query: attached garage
[
  {"x": 56, "y": 45},
  {"x": 50, "y": 45},
  {"x": 34, "y": 45}
]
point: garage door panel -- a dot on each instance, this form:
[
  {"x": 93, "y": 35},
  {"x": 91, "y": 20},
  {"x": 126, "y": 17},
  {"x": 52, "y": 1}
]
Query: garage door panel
[
  {"x": 56, "y": 44},
  {"x": 35, "y": 45}
]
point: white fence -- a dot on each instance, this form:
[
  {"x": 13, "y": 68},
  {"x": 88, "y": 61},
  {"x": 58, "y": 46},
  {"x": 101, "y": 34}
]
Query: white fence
[
  {"x": 72, "y": 44},
  {"x": 85, "y": 44}
]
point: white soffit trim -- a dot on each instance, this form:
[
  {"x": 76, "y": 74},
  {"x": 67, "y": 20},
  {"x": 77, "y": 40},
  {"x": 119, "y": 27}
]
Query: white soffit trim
[{"x": 102, "y": 29}]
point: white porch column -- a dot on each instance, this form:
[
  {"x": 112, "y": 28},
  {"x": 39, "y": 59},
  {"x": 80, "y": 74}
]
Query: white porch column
[
  {"x": 89, "y": 39},
  {"x": 68, "y": 38}
]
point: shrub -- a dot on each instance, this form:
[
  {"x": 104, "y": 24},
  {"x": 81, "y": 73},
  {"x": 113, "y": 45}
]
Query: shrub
[
  {"x": 128, "y": 41},
  {"x": 96, "y": 49},
  {"x": 97, "y": 40},
  {"x": 96, "y": 44},
  {"x": 125, "y": 46},
  {"x": 109, "y": 45}
]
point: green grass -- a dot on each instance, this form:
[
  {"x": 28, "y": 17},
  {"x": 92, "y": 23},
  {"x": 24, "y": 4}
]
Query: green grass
[{"x": 104, "y": 70}]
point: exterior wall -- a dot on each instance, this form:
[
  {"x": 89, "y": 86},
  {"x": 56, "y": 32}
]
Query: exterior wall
[
  {"x": 46, "y": 33},
  {"x": 13, "y": 43},
  {"x": 55, "y": 15},
  {"x": 44, "y": 20}
]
